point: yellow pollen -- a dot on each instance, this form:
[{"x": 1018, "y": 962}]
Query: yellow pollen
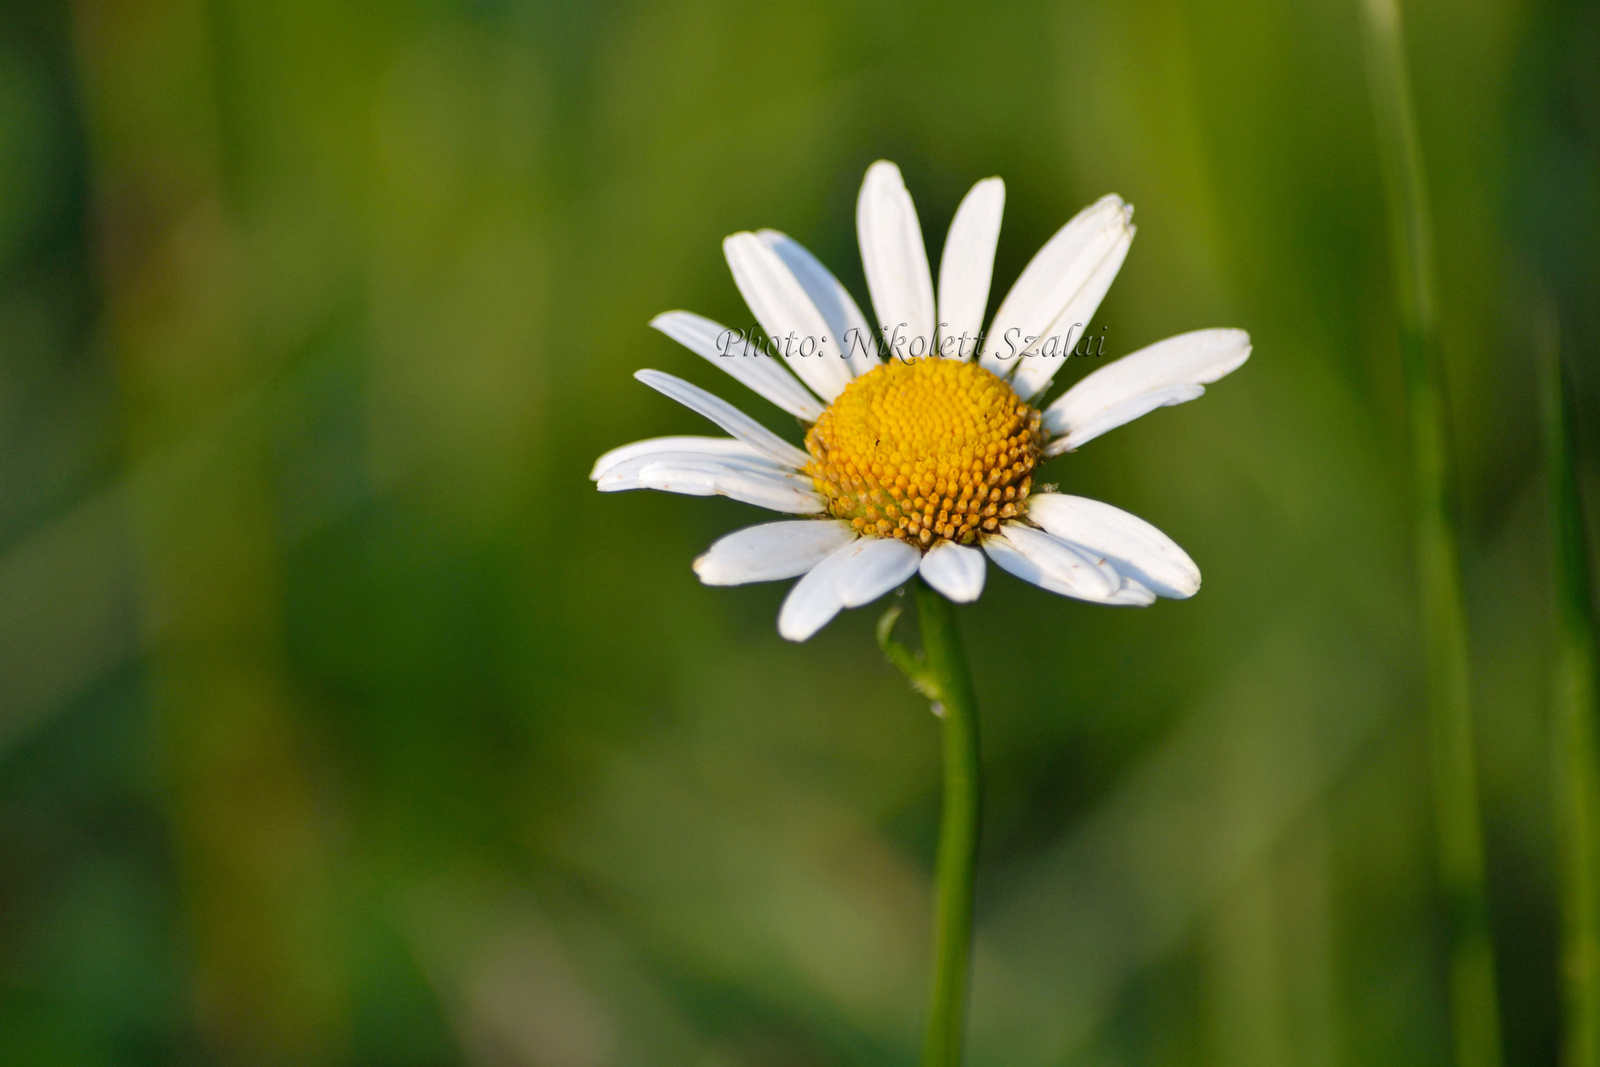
[{"x": 926, "y": 450}]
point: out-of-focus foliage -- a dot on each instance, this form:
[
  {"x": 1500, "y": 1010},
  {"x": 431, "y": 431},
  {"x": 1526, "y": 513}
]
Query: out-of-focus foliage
[{"x": 342, "y": 722}]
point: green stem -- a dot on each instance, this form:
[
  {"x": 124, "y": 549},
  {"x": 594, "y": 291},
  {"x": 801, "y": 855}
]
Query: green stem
[
  {"x": 1474, "y": 1014},
  {"x": 1576, "y": 762},
  {"x": 958, "y": 826}
]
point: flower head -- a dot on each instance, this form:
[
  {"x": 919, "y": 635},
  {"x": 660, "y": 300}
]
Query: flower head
[
  {"x": 923, "y": 442},
  {"x": 925, "y": 449}
]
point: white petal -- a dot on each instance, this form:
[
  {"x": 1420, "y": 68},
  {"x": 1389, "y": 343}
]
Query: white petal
[
  {"x": 704, "y": 446},
  {"x": 966, "y": 266},
  {"x": 705, "y": 476},
  {"x": 1136, "y": 549},
  {"x": 773, "y": 492},
  {"x": 849, "y": 327},
  {"x": 1167, "y": 372},
  {"x": 756, "y": 369},
  {"x": 781, "y": 305},
  {"x": 1050, "y": 564},
  {"x": 725, "y": 415},
  {"x": 1134, "y": 594},
  {"x": 627, "y": 470},
  {"x": 1074, "y": 268},
  {"x": 849, "y": 577},
  {"x": 878, "y": 566},
  {"x": 955, "y": 570},
  {"x": 1127, "y": 411},
  {"x": 895, "y": 260},
  {"x": 814, "y": 600},
  {"x": 1072, "y": 325},
  {"x": 772, "y": 551}
]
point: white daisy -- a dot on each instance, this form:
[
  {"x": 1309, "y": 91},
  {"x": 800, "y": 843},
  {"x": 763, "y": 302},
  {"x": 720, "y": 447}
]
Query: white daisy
[{"x": 921, "y": 448}]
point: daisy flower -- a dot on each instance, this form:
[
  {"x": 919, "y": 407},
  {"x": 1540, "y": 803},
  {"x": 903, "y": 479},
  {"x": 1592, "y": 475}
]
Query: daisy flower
[{"x": 922, "y": 438}]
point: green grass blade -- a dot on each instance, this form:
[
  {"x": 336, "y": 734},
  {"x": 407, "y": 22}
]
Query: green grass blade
[
  {"x": 1576, "y": 761},
  {"x": 1474, "y": 1009}
]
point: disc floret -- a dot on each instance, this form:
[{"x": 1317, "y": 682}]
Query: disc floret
[{"x": 925, "y": 450}]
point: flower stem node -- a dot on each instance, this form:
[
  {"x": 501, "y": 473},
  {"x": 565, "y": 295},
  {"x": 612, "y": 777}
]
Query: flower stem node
[{"x": 909, "y": 663}]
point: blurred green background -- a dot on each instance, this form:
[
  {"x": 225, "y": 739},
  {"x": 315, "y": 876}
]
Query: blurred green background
[{"x": 343, "y": 722}]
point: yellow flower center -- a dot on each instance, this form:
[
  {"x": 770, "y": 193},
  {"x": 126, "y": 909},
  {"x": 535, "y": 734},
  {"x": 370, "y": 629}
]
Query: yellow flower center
[{"x": 926, "y": 449}]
